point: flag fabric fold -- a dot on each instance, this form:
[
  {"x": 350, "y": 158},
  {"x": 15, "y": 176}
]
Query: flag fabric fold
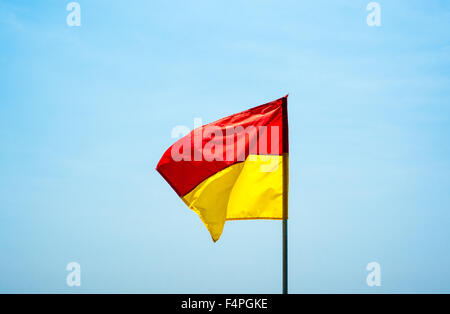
[{"x": 232, "y": 169}]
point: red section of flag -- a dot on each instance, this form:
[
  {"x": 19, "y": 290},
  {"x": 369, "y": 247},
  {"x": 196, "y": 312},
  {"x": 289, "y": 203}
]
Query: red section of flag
[{"x": 255, "y": 131}]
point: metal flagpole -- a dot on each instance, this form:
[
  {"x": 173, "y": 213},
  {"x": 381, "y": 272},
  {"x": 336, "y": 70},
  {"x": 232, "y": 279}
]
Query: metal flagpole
[
  {"x": 285, "y": 262},
  {"x": 285, "y": 195},
  {"x": 285, "y": 223}
]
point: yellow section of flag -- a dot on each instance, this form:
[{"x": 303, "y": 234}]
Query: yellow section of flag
[{"x": 252, "y": 189}]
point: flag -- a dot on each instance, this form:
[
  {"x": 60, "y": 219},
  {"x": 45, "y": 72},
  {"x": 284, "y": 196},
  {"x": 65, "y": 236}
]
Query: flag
[{"x": 234, "y": 168}]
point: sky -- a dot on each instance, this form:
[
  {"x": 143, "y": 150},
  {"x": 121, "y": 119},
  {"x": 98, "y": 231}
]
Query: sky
[{"x": 86, "y": 112}]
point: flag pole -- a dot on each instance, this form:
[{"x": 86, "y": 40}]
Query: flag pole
[
  {"x": 285, "y": 194},
  {"x": 285, "y": 223},
  {"x": 285, "y": 264}
]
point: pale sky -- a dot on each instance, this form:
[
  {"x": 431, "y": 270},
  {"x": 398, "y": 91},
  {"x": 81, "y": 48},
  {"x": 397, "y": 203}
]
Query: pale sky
[{"x": 86, "y": 112}]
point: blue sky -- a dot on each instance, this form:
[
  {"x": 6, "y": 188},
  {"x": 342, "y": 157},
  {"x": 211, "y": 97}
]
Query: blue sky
[{"x": 86, "y": 113}]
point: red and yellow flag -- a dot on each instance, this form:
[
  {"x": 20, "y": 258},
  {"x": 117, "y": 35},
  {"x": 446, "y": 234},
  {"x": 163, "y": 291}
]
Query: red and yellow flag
[{"x": 234, "y": 168}]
